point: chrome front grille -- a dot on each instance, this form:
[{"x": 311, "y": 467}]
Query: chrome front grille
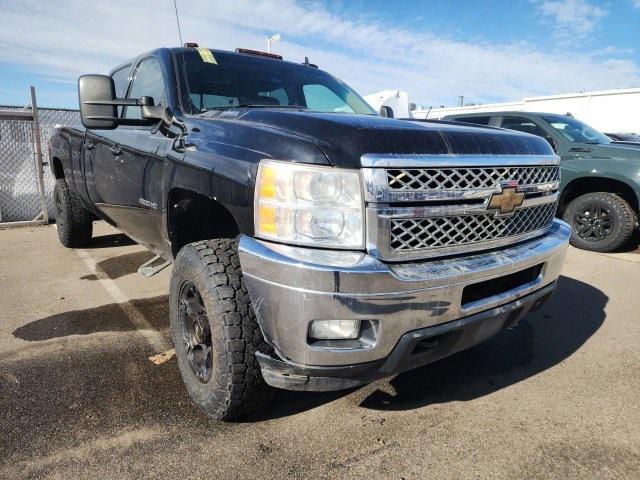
[
  {"x": 438, "y": 232},
  {"x": 411, "y": 179},
  {"x": 423, "y": 206}
]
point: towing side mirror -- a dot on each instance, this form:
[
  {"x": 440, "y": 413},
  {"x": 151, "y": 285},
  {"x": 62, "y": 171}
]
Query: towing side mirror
[
  {"x": 99, "y": 105},
  {"x": 96, "y": 94},
  {"x": 386, "y": 111}
]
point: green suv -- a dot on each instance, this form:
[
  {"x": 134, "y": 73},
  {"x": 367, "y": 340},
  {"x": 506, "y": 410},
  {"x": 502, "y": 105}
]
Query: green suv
[{"x": 600, "y": 188}]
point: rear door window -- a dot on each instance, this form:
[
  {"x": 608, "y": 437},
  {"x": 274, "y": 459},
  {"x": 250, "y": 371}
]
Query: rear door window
[{"x": 522, "y": 124}]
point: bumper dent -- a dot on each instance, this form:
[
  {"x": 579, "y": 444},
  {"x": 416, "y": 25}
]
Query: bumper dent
[
  {"x": 414, "y": 349},
  {"x": 292, "y": 286}
]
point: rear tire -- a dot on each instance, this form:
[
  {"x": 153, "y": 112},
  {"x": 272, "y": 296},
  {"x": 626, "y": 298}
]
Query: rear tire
[
  {"x": 600, "y": 221},
  {"x": 215, "y": 332},
  {"x": 74, "y": 222}
]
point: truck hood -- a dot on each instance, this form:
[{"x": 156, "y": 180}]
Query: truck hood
[
  {"x": 614, "y": 150},
  {"x": 344, "y": 137}
]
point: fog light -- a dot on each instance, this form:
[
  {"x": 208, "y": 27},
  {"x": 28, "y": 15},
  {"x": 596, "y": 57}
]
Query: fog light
[{"x": 334, "y": 329}]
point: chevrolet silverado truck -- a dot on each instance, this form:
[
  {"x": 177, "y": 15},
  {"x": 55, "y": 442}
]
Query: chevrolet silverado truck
[
  {"x": 315, "y": 245},
  {"x": 600, "y": 190}
]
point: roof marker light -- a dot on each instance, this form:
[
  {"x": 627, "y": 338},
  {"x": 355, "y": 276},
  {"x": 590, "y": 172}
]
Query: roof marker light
[
  {"x": 191, "y": 45},
  {"x": 257, "y": 53}
]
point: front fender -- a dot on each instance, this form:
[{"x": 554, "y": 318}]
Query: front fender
[
  {"x": 623, "y": 170},
  {"x": 60, "y": 148}
]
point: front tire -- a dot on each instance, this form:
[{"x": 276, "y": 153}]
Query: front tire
[
  {"x": 600, "y": 221},
  {"x": 74, "y": 222},
  {"x": 215, "y": 332}
]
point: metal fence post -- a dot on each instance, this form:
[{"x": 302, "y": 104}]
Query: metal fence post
[{"x": 38, "y": 152}]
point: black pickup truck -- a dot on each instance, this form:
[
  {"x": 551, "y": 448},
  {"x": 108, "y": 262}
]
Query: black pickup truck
[{"x": 316, "y": 245}]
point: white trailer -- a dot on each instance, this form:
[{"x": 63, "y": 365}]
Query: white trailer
[
  {"x": 612, "y": 111},
  {"x": 397, "y": 100}
]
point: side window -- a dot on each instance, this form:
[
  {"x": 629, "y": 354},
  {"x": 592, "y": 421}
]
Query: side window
[
  {"x": 147, "y": 82},
  {"x": 321, "y": 99},
  {"x": 522, "y": 125},
  {"x": 476, "y": 120},
  {"x": 121, "y": 81}
]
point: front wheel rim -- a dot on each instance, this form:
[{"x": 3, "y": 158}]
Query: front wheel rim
[
  {"x": 593, "y": 223},
  {"x": 196, "y": 332}
]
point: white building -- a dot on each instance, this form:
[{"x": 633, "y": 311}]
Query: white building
[{"x": 613, "y": 111}]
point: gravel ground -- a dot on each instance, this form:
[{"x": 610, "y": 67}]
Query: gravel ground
[{"x": 556, "y": 397}]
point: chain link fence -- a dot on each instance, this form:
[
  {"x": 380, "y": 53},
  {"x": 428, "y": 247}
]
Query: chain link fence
[{"x": 20, "y": 197}]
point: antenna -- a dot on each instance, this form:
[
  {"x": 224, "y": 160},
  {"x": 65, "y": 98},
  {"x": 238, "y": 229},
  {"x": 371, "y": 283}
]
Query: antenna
[{"x": 175, "y": 6}]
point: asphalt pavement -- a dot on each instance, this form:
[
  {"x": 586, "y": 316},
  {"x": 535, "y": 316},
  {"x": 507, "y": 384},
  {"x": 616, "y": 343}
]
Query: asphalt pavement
[{"x": 556, "y": 397}]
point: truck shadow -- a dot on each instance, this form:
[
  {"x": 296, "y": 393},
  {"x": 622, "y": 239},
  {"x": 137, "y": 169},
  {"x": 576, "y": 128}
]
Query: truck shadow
[
  {"x": 542, "y": 340},
  {"x": 632, "y": 246},
  {"x": 116, "y": 267},
  {"x": 110, "y": 241},
  {"x": 106, "y": 318}
]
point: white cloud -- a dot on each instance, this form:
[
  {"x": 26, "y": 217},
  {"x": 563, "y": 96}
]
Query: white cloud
[
  {"x": 573, "y": 17},
  {"x": 52, "y": 40}
]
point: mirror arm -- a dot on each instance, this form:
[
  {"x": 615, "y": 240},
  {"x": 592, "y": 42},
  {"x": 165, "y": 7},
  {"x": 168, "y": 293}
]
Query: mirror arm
[
  {"x": 122, "y": 121},
  {"x": 123, "y": 102}
]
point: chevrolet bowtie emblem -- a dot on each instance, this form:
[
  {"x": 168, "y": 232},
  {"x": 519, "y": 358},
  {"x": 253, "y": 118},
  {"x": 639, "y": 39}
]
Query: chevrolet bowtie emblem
[{"x": 507, "y": 200}]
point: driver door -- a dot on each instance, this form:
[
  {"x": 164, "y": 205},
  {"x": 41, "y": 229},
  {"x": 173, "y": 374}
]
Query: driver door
[{"x": 127, "y": 164}]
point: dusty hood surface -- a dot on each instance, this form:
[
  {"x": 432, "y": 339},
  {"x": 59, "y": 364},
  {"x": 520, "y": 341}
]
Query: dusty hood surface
[{"x": 344, "y": 137}]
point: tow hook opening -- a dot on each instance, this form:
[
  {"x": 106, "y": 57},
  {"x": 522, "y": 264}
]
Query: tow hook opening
[{"x": 481, "y": 291}]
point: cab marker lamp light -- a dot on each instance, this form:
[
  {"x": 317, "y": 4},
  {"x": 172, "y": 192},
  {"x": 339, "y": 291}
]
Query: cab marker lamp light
[{"x": 309, "y": 205}]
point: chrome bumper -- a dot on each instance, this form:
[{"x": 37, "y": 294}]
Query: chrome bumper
[{"x": 291, "y": 286}]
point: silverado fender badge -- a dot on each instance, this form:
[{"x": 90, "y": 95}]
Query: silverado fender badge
[
  {"x": 147, "y": 203},
  {"x": 507, "y": 200}
]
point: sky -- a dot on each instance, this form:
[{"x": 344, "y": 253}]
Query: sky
[{"x": 436, "y": 50}]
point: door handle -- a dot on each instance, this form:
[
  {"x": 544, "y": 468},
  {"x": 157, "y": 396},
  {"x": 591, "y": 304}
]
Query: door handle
[
  {"x": 116, "y": 151},
  {"x": 89, "y": 146}
]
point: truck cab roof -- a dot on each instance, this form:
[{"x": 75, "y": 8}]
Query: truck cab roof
[{"x": 178, "y": 50}]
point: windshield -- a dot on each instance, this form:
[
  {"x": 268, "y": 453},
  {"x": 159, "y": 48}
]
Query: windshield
[
  {"x": 226, "y": 80},
  {"x": 576, "y": 131}
]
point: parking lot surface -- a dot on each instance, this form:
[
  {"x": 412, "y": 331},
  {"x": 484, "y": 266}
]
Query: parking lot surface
[{"x": 558, "y": 396}]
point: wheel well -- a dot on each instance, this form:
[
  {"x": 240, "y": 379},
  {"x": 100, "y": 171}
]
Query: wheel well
[
  {"x": 192, "y": 217},
  {"x": 56, "y": 168},
  {"x": 581, "y": 186}
]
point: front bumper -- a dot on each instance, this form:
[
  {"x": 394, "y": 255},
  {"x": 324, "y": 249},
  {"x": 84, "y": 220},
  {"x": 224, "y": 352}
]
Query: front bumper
[{"x": 292, "y": 286}]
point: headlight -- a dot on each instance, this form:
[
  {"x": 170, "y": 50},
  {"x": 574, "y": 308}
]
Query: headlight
[{"x": 309, "y": 205}]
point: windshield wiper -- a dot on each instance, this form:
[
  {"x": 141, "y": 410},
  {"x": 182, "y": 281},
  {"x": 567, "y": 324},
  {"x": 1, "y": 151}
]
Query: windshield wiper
[{"x": 252, "y": 105}]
